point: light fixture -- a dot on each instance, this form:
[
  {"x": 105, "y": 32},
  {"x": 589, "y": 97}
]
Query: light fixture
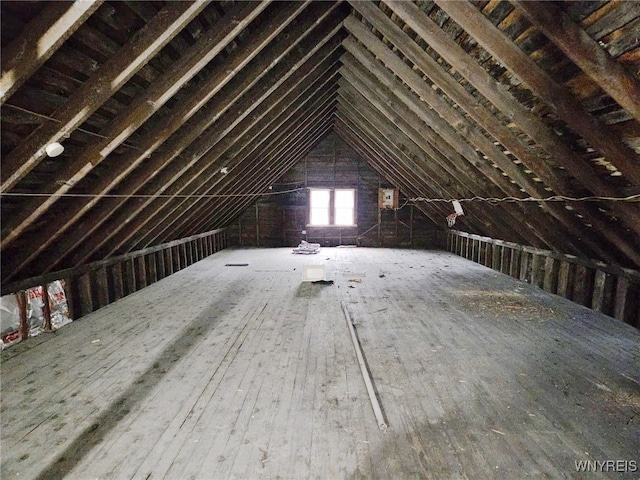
[{"x": 54, "y": 149}]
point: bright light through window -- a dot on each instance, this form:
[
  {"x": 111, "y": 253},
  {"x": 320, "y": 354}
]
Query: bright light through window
[
  {"x": 344, "y": 203},
  {"x": 320, "y": 206},
  {"x": 332, "y": 206}
]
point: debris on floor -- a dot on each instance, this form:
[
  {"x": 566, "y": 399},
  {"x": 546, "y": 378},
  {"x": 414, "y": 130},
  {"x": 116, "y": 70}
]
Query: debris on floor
[{"x": 307, "y": 248}]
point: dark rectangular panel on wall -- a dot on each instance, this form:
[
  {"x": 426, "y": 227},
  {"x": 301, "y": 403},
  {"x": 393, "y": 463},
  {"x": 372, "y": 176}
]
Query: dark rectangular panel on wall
[{"x": 281, "y": 220}]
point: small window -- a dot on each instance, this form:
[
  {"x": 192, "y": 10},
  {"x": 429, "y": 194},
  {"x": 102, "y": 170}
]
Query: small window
[{"x": 332, "y": 206}]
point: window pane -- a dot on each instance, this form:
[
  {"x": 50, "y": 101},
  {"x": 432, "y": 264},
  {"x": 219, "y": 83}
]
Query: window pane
[
  {"x": 344, "y": 203},
  {"x": 319, "y": 207},
  {"x": 319, "y": 216},
  {"x": 344, "y": 216}
]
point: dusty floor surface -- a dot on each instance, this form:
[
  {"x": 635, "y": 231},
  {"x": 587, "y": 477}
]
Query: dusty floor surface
[{"x": 245, "y": 372}]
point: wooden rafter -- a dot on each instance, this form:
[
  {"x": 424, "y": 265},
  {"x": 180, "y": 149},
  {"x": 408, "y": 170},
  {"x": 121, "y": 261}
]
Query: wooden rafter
[
  {"x": 530, "y": 124},
  {"x": 39, "y": 40},
  {"x": 585, "y": 52},
  {"x": 266, "y": 141},
  {"x": 325, "y": 43},
  {"x": 558, "y": 97},
  {"x": 123, "y": 175},
  {"x": 95, "y": 91},
  {"x": 121, "y": 127},
  {"x": 462, "y": 169},
  {"x": 484, "y": 119},
  {"x": 480, "y": 114},
  {"x": 226, "y": 123}
]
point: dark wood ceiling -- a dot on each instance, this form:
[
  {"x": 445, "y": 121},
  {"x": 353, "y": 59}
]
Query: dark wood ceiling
[{"x": 448, "y": 100}]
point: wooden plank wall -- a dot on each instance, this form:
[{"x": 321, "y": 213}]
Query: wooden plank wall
[
  {"x": 280, "y": 220},
  {"x": 95, "y": 285},
  {"x": 608, "y": 289}
]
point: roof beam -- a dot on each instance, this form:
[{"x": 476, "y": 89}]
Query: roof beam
[
  {"x": 467, "y": 129},
  {"x": 283, "y": 151},
  {"x": 497, "y": 94},
  {"x": 271, "y": 140},
  {"x": 585, "y": 52},
  {"x": 39, "y": 40},
  {"x": 480, "y": 114},
  {"x": 558, "y": 97},
  {"x": 290, "y": 66},
  {"x": 122, "y": 173},
  {"x": 292, "y": 74},
  {"x": 389, "y": 158},
  {"x": 130, "y": 119},
  {"x": 99, "y": 88},
  {"x": 238, "y": 159},
  {"x": 316, "y": 131}
]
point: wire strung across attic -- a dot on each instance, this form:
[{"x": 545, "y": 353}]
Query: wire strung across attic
[
  {"x": 492, "y": 200},
  {"x": 553, "y": 198}
]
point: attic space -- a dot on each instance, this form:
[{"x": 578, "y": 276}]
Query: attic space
[{"x": 461, "y": 179}]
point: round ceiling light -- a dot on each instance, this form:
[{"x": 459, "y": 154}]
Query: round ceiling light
[{"x": 54, "y": 149}]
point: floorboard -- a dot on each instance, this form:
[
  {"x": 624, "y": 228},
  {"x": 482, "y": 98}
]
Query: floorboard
[{"x": 247, "y": 372}]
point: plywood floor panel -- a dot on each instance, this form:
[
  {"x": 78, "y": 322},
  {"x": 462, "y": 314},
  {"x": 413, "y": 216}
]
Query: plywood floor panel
[{"x": 245, "y": 372}]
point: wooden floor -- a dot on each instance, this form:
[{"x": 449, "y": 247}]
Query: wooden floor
[{"x": 245, "y": 372}]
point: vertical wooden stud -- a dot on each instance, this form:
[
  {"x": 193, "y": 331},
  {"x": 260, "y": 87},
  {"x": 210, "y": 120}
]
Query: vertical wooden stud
[
  {"x": 598, "y": 299},
  {"x": 564, "y": 285},
  {"x": 46, "y": 309},
  {"x": 129, "y": 276},
  {"x": 86, "y": 294},
  {"x": 620, "y": 303},
  {"x": 23, "y": 329},
  {"x": 101, "y": 288},
  {"x": 182, "y": 248},
  {"x": 504, "y": 260},
  {"x": 536, "y": 270},
  {"x": 152, "y": 267},
  {"x": 117, "y": 281},
  {"x": 495, "y": 256},
  {"x": 168, "y": 261},
  {"x": 177, "y": 260},
  {"x": 582, "y": 291},
  {"x": 70, "y": 286},
  {"x": 524, "y": 267},
  {"x": 549, "y": 283},
  {"x": 160, "y": 267},
  {"x": 514, "y": 263},
  {"x": 141, "y": 271}
]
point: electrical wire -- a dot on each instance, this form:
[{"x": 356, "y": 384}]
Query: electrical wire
[
  {"x": 554, "y": 198},
  {"x": 492, "y": 200},
  {"x": 194, "y": 195},
  {"x": 45, "y": 117}
]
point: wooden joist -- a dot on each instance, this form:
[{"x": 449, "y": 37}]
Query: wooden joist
[
  {"x": 558, "y": 97},
  {"x": 325, "y": 40},
  {"x": 484, "y": 118},
  {"x": 530, "y": 124},
  {"x": 123, "y": 174},
  {"x": 106, "y": 81},
  {"x": 39, "y": 40},
  {"x": 585, "y": 52},
  {"x": 127, "y": 122}
]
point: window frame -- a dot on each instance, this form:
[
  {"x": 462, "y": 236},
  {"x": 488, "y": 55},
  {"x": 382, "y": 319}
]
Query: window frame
[{"x": 332, "y": 208}]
